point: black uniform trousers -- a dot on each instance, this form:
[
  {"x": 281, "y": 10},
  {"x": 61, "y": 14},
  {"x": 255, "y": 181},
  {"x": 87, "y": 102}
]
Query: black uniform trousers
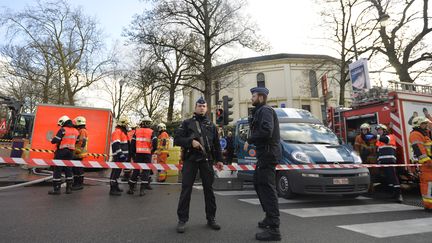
[
  {"x": 145, "y": 174},
  {"x": 115, "y": 173},
  {"x": 391, "y": 177},
  {"x": 264, "y": 182},
  {"x": 189, "y": 171},
  {"x": 64, "y": 154},
  {"x": 78, "y": 171}
]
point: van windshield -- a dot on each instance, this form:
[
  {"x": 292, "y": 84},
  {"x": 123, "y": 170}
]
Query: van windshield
[{"x": 307, "y": 133}]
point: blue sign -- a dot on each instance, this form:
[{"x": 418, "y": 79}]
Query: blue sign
[{"x": 223, "y": 143}]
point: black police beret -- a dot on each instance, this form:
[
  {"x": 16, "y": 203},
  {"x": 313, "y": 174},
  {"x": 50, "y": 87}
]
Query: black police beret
[
  {"x": 260, "y": 90},
  {"x": 201, "y": 100}
]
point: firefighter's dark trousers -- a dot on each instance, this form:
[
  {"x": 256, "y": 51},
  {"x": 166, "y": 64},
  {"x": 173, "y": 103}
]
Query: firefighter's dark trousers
[
  {"x": 64, "y": 154},
  {"x": 143, "y": 174}
]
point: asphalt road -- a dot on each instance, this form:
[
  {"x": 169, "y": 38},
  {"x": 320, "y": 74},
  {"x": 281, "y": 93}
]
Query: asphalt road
[{"x": 30, "y": 215}]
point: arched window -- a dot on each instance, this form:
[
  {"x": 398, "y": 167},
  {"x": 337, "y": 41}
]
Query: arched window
[{"x": 260, "y": 80}]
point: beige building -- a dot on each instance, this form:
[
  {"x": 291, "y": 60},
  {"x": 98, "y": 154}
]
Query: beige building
[{"x": 294, "y": 80}]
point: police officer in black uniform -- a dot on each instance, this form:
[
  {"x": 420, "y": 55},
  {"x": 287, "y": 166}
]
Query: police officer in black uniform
[
  {"x": 264, "y": 134},
  {"x": 199, "y": 139}
]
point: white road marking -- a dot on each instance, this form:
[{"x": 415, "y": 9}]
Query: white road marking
[
  {"x": 255, "y": 201},
  {"x": 392, "y": 228},
  {"x": 348, "y": 210}
]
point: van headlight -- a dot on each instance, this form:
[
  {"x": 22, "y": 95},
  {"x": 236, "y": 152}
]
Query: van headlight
[
  {"x": 356, "y": 158},
  {"x": 301, "y": 157}
]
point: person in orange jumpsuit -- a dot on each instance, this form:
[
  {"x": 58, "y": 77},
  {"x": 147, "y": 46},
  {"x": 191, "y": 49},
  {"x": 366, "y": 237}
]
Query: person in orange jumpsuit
[
  {"x": 365, "y": 147},
  {"x": 421, "y": 144},
  {"x": 365, "y": 144},
  {"x": 80, "y": 152},
  {"x": 162, "y": 146}
]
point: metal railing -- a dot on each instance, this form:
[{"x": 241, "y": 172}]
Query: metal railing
[{"x": 410, "y": 87}]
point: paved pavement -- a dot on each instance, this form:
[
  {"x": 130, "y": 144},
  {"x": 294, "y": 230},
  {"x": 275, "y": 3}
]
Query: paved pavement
[{"x": 30, "y": 215}]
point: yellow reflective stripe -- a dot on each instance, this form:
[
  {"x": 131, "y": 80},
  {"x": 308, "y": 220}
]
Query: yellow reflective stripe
[
  {"x": 143, "y": 150},
  {"x": 422, "y": 160},
  {"x": 144, "y": 139},
  {"x": 426, "y": 199},
  {"x": 416, "y": 142}
]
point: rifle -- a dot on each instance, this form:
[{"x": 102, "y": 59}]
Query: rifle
[{"x": 203, "y": 144}]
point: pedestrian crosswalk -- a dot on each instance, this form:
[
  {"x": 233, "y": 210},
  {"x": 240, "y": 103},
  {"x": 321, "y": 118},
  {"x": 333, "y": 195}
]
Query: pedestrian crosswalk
[{"x": 303, "y": 207}]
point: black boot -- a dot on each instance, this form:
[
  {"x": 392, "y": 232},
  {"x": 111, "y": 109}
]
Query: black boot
[
  {"x": 263, "y": 224},
  {"x": 181, "y": 227},
  {"x": 213, "y": 225},
  {"x": 131, "y": 188},
  {"x": 56, "y": 188},
  {"x": 69, "y": 186},
  {"x": 397, "y": 195},
  {"x": 78, "y": 183},
  {"x": 269, "y": 234},
  {"x": 114, "y": 189},
  {"x": 142, "y": 190}
]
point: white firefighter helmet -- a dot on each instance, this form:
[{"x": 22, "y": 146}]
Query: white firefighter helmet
[
  {"x": 365, "y": 126},
  {"x": 381, "y": 126},
  {"x": 80, "y": 120},
  {"x": 161, "y": 127},
  {"x": 146, "y": 121},
  {"x": 417, "y": 121},
  {"x": 123, "y": 122},
  {"x": 61, "y": 121}
]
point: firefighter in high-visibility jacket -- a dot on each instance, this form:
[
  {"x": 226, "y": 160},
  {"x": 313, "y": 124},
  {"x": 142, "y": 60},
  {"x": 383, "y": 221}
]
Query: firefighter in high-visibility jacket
[
  {"x": 365, "y": 144},
  {"x": 128, "y": 172},
  {"x": 65, "y": 140},
  {"x": 421, "y": 144},
  {"x": 162, "y": 146},
  {"x": 80, "y": 152},
  {"x": 141, "y": 151},
  {"x": 120, "y": 152},
  {"x": 386, "y": 150}
]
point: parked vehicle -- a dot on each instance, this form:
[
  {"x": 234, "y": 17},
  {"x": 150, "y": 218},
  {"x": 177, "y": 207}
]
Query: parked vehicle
[{"x": 305, "y": 140}]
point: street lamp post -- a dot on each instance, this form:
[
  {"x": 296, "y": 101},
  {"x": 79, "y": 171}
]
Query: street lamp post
[{"x": 121, "y": 82}]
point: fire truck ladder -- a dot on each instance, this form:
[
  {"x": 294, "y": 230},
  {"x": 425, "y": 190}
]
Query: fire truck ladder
[{"x": 410, "y": 87}]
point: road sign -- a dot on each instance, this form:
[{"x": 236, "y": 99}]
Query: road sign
[{"x": 223, "y": 143}]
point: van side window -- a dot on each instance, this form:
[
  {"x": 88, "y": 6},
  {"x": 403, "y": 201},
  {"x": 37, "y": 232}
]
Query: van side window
[{"x": 243, "y": 131}]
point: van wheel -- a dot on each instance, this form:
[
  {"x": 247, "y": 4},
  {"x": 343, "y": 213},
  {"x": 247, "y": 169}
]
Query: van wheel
[{"x": 283, "y": 186}]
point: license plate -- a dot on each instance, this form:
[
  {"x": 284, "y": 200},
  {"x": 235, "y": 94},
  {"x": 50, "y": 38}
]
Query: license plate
[{"x": 340, "y": 181}]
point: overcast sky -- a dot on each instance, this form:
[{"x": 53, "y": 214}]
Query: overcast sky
[{"x": 288, "y": 25}]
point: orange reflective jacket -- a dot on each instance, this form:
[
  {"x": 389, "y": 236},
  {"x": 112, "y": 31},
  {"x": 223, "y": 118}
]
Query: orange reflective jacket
[
  {"x": 421, "y": 144},
  {"x": 69, "y": 138},
  {"x": 82, "y": 144},
  {"x": 143, "y": 137},
  {"x": 119, "y": 142},
  {"x": 163, "y": 142}
]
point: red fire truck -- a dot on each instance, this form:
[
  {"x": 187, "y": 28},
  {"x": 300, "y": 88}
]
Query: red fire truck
[{"x": 394, "y": 106}]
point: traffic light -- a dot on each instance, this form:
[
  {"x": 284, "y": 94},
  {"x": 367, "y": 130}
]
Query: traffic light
[
  {"x": 220, "y": 116},
  {"x": 227, "y": 105}
]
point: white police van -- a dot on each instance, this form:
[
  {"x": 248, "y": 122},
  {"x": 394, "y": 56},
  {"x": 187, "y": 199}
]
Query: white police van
[{"x": 305, "y": 140}]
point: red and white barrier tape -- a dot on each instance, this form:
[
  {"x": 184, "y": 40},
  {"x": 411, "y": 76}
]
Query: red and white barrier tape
[{"x": 150, "y": 166}]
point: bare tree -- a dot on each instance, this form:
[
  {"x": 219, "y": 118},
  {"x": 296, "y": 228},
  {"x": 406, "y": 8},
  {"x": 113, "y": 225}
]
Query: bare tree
[
  {"x": 210, "y": 25},
  {"x": 403, "y": 41},
  {"x": 173, "y": 67},
  {"x": 64, "y": 37},
  {"x": 352, "y": 35}
]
